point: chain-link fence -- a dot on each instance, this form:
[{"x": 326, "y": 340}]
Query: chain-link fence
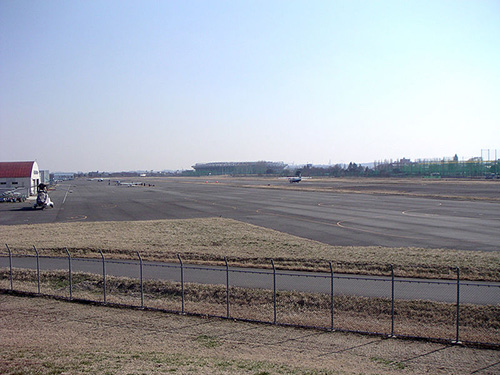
[{"x": 451, "y": 310}]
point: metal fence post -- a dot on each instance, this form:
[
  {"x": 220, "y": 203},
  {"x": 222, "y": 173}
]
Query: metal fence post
[
  {"x": 331, "y": 297},
  {"x": 227, "y": 288},
  {"x": 274, "y": 290},
  {"x": 457, "y": 340},
  {"x": 103, "y": 276},
  {"x": 392, "y": 300},
  {"x": 70, "y": 280},
  {"x": 142, "y": 283},
  {"x": 182, "y": 281},
  {"x": 10, "y": 266},
  {"x": 37, "y": 267}
]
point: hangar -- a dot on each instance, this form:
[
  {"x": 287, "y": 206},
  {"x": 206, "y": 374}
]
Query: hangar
[{"x": 21, "y": 176}]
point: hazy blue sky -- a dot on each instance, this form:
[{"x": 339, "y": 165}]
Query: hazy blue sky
[{"x": 125, "y": 85}]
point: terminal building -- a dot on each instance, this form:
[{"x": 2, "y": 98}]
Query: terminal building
[
  {"x": 239, "y": 168},
  {"x": 63, "y": 176},
  {"x": 20, "y": 176}
]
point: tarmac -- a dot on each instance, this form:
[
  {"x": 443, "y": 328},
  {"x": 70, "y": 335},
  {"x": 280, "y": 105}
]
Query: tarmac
[{"x": 335, "y": 218}]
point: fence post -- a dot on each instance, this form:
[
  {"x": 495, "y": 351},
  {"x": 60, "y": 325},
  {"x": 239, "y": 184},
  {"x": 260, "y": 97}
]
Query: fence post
[
  {"x": 457, "y": 340},
  {"x": 142, "y": 284},
  {"x": 37, "y": 267},
  {"x": 331, "y": 297},
  {"x": 227, "y": 288},
  {"x": 103, "y": 275},
  {"x": 274, "y": 290},
  {"x": 182, "y": 281},
  {"x": 392, "y": 301},
  {"x": 10, "y": 266},
  {"x": 70, "y": 280}
]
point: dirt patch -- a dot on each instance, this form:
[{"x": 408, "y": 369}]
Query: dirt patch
[{"x": 45, "y": 336}]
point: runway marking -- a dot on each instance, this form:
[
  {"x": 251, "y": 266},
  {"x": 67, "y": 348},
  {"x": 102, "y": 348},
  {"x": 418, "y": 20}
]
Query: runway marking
[
  {"x": 339, "y": 223},
  {"x": 66, "y": 195},
  {"x": 109, "y": 205},
  {"x": 408, "y": 212},
  {"x": 326, "y": 205},
  {"x": 77, "y": 218}
]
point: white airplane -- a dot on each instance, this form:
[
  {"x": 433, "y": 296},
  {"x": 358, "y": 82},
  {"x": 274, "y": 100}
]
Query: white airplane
[
  {"x": 119, "y": 183},
  {"x": 43, "y": 199},
  {"x": 297, "y": 178}
]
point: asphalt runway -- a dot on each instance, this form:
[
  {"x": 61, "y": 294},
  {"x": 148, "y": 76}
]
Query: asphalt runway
[{"x": 334, "y": 218}]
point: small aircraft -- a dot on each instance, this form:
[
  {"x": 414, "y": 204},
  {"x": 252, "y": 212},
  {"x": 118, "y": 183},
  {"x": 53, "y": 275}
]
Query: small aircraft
[
  {"x": 119, "y": 183},
  {"x": 42, "y": 199},
  {"x": 297, "y": 178}
]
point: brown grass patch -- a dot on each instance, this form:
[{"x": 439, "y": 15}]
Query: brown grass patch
[
  {"x": 210, "y": 240},
  {"x": 44, "y": 336},
  {"x": 412, "y": 318}
]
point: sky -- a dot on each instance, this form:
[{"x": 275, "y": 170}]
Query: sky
[{"x": 163, "y": 85}]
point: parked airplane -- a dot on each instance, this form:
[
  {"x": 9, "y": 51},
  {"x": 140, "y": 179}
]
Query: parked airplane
[
  {"x": 119, "y": 183},
  {"x": 297, "y": 178},
  {"x": 294, "y": 179}
]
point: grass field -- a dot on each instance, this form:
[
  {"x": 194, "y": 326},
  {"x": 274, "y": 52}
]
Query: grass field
[
  {"x": 478, "y": 323},
  {"x": 210, "y": 240},
  {"x": 43, "y": 336}
]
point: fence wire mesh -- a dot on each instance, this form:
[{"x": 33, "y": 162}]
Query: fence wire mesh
[{"x": 450, "y": 310}]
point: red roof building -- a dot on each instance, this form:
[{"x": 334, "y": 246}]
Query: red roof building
[
  {"x": 22, "y": 176},
  {"x": 16, "y": 169}
]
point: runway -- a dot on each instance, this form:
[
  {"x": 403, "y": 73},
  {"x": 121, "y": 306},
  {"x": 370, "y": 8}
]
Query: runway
[{"x": 345, "y": 219}]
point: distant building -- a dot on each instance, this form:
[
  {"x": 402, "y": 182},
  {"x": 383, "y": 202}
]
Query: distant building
[
  {"x": 404, "y": 161},
  {"x": 239, "y": 168},
  {"x": 45, "y": 177},
  {"x": 21, "y": 176},
  {"x": 63, "y": 176}
]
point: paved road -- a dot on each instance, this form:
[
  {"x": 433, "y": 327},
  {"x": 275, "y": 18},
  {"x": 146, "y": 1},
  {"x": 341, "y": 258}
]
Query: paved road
[
  {"x": 336, "y": 219},
  {"x": 405, "y": 288}
]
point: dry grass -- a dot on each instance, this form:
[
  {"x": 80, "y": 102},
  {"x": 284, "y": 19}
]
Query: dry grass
[
  {"x": 209, "y": 240},
  {"x": 42, "y": 336},
  {"x": 413, "y": 318}
]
